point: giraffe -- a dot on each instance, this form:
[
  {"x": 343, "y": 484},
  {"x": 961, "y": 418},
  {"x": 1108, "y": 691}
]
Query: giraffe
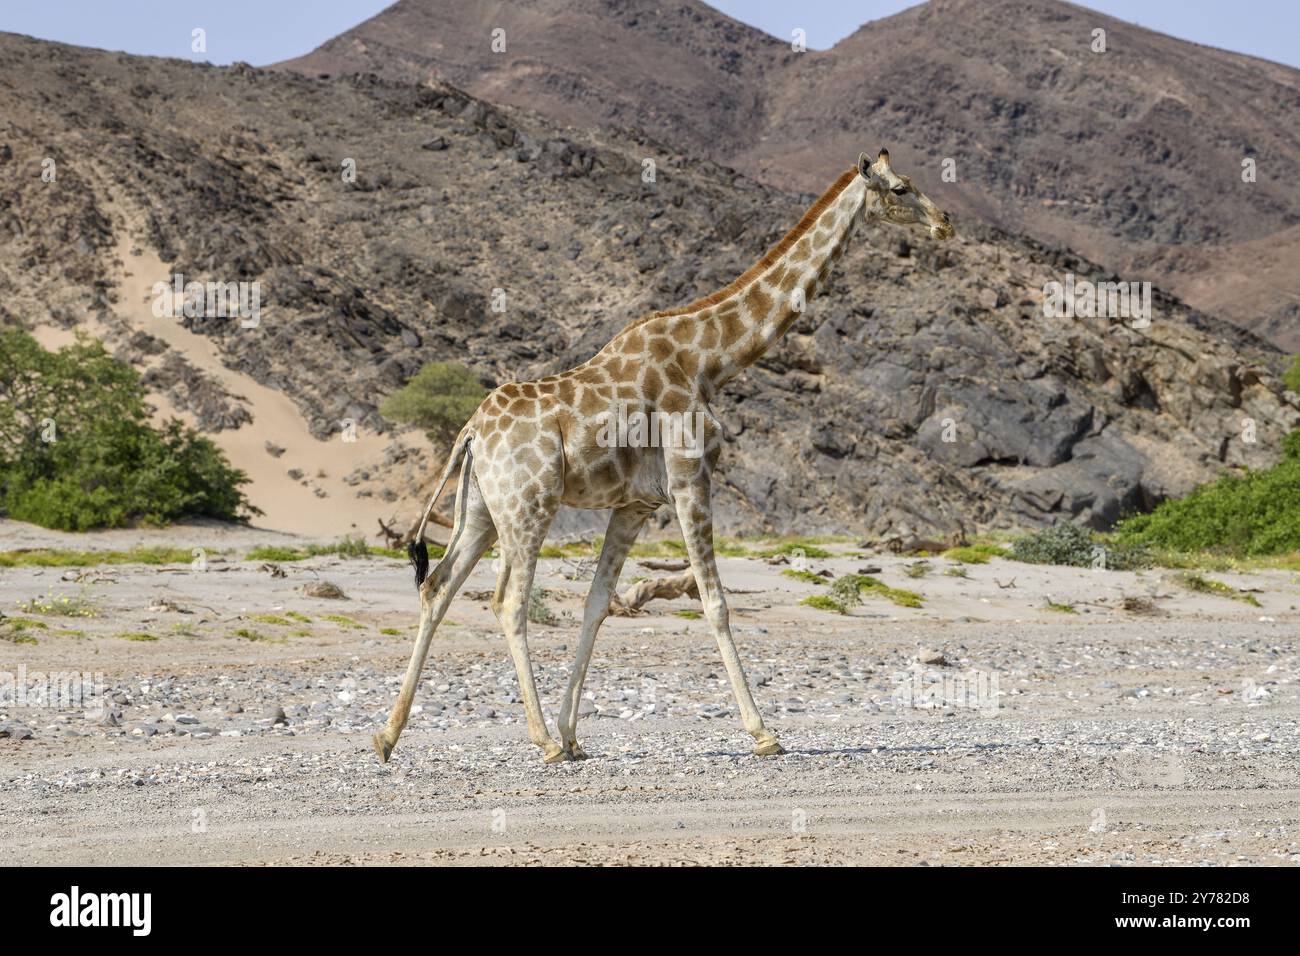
[{"x": 532, "y": 446}]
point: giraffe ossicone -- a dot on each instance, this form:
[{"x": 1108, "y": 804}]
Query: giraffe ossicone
[{"x": 532, "y": 446}]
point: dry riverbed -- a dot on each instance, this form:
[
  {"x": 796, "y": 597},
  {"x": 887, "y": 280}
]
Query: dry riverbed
[{"x": 237, "y": 711}]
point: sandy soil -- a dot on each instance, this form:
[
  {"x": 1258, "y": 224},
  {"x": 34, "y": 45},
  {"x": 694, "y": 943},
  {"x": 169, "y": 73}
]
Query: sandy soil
[
  {"x": 288, "y": 504},
  {"x": 1113, "y": 738}
]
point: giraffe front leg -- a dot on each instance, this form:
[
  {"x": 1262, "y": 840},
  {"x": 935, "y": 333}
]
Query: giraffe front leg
[
  {"x": 624, "y": 526},
  {"x": 693, "y": 514}
]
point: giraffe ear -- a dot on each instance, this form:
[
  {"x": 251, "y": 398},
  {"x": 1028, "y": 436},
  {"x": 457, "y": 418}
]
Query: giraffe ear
[
  {"x": 864, "y": 165},
  {"x": 883, "y": 156}
]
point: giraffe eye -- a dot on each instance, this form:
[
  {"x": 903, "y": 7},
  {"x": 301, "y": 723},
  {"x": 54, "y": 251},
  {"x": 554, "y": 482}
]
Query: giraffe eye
[{"x": 899, "y": 190}]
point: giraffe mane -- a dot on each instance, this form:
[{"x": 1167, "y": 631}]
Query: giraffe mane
[{"x": 770, "y": 257}]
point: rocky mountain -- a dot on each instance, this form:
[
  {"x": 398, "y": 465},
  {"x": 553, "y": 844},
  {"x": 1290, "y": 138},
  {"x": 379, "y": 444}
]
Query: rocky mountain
[
  {"x": 1132, "y": 156},
  {"x": 925, "y": 390}
]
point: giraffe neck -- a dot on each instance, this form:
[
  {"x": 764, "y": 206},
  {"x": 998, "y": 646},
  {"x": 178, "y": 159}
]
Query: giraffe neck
[{"x": 758, "y": 309}]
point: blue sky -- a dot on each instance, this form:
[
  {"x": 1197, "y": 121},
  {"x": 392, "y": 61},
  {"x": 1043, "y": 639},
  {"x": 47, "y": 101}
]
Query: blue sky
[{"x": 265, "y": 31}]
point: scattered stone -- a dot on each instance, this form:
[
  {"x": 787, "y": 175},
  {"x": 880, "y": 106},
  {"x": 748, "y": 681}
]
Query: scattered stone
[{"x": 324, "y": 589}]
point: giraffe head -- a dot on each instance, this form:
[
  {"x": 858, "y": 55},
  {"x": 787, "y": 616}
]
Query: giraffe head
[{"x": 893, "y": 198}]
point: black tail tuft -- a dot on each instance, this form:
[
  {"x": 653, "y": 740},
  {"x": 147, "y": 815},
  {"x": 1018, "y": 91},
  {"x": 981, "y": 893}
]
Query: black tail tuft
[{"x": 418, "y": 552}]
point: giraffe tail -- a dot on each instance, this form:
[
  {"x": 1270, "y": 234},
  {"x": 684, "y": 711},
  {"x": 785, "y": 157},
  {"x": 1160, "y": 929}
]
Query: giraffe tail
[{"x": 418, "y": 550}]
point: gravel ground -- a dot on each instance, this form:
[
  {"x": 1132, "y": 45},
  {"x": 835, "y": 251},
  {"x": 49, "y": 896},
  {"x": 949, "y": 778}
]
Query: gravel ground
[{"x": 1100, "y": 737}]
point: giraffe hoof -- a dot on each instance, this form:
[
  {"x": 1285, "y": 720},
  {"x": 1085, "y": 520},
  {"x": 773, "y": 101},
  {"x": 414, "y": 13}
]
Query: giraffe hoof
[
  {"x": 769, "y": 748},
  {"x": 556, "y": 755},
  {"x": 383, "y": 748},
  {"x": 576, "y": 752}
]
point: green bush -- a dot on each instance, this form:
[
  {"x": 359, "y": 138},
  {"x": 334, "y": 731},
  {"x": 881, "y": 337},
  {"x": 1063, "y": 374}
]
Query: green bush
[
  {"x": 1247, "y": 515},
  {"x": 1291, "y": 377},
  {"x": 1068, "y": 544},
  {"x": 1075, "y": 546},
  {"x": 439, "y": 398},
  {"x": 77, "y": 451}
]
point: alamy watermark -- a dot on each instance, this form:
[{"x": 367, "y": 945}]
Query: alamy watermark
[
  {"x": 931, "y": 689},
  {"x": 621, "y": 428},
  {"x": 241, "y": 300},
  {"x": 1083, "y": 299},
  {"x": 62, "y": 690}
]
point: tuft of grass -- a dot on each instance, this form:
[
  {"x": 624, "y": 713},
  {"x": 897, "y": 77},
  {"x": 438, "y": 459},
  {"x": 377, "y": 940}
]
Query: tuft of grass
[
  {"x": 805, "y": 576},
  {"x": 62, "y": 605},
  {"x": 689, "y": 613},
  {"x": 391, "y": 631},
  {"x": 824, "y": 602},
  {"x": 658, "y": 549},
  {"x": 957, "y": 571},
  {"x": 24, "y": 623},
  {"x": 571, "y": 549},
  {"x": 918, "y": 569},
  {"x": 975, "y": 553},
  {"x": 802, "y": 547},
  {"x": 14, "y": 629},
  {"x": 295, "y": 616},
  {"x": 271, "y": 619},
  {"x": 1061, "y": 608},
  {"x": 849, "y": 588},
  {"x": 539, "y": 612},
  {"x": 1204, "y": 585},
  {"x": 341, "y": 620},
  {"x": 275, "y": 552},
  {"x": 250, "y": 635},
  {"x": 347, "y": 547},
  {"x": 137, "y": 636},
  {"x": 1291, "y": 377},
  {"x": 64, "y": 558}
]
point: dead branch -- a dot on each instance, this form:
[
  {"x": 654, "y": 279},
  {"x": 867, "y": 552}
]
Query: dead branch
[
  {"x": 630, "y": 602},
  {"x": 663, "y": 564}
]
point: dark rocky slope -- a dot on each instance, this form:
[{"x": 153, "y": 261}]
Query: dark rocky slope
[{"x": 235, "y": 174}]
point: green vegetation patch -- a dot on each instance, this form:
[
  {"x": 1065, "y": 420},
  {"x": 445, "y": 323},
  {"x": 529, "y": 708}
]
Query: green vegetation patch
[
  {"x": 539, "y": 612},
  {"x": 250, "y": 635},
  {"x": 975, "y": 553},
  {"x": 61, "y": 558},
  {"x": 341, "y": 621},
  {"x": 1246, "y": 515},
  {"x": 349, "y": 547},
  {"x": 1075, "y": 546},
  {"x": 849, "y": 589},
  {"x": 77, "y": 451},
  {"x": 824, "y": 602},
  {"x": 62, "y": 605},
  {"x": 1204, "y": 585},
  {"x": 806, "y": 576}
]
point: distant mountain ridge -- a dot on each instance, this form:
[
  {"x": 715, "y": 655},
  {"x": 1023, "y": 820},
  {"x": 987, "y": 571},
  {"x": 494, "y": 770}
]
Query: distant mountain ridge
[{"x": 1131, "y": 157}]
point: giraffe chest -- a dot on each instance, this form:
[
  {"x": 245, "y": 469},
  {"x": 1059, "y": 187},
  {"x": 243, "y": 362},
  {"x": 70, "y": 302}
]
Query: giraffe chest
[{"x": 621, "y": 477}]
